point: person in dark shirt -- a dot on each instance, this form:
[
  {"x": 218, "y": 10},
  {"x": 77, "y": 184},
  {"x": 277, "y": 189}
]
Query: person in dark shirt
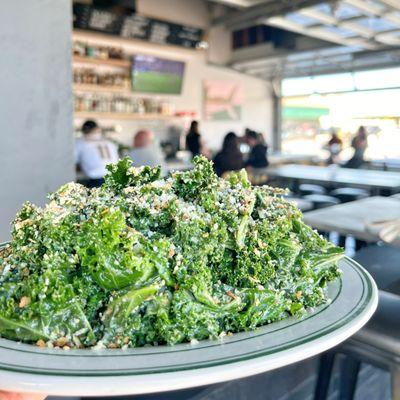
[
  {"x": 359, "y": 144},
  {"x": 193, "y": 139},
  {"x": 229, "y": 158},
  {"x": 258, "y": 151}
]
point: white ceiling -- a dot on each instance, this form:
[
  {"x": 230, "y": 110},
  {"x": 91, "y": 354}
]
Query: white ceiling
[
  {"x": 368, "y": 24},
  {"x": 358, "y": 29}
]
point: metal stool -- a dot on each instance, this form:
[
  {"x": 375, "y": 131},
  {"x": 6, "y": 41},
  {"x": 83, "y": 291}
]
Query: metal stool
[
  {"x": 382, "y": 262},
  {"x": 306, "y": 188},
  {"x": 302, "y": 204},
  {"x": 321, "y": 200},
  {"x": 378, "y": 343},
  {"x": 347, "y": 194}
]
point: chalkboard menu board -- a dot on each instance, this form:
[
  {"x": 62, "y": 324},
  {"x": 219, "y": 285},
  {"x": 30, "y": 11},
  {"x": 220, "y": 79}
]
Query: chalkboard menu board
[{"x": 136, "y": 27}]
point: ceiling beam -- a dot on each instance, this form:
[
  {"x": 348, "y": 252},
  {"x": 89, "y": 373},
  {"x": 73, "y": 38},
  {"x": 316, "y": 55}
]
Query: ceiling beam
[
  {"x": 389, "y": 37},
  {"x": 395, "y": 19},
  {"x": 238, "y": 3},
  {"x": 319, "y": 16},
  {"x": 351, "y": 24},
  {"x": 250, "y": 16},
  {"x": 357, "y": 62},
  {"x": 389, "y": 16},
  {"x": 363, "y": 35},
  {"x": 290, "y": 56},
  {"x": 391, "y": 3},
  {"x": 371, "y": 8},
  {"x": 357, "y": 28},
  {"x": 319, "y": 33}
]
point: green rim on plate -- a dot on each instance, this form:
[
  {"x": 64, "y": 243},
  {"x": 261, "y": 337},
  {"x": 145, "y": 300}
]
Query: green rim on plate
[{"x": 352, "y": 297}]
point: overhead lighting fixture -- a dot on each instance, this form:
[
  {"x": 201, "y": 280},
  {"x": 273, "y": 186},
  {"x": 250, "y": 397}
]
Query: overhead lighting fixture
[{"x": 202, "y": 45}]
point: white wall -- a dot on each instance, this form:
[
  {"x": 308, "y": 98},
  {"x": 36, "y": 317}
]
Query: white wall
[
  {"x": 256, "y": 109},
  {"x": 36, "y": 147},
  {"x": 257, "y": 103},
  {"x": 257, "y": 100}
]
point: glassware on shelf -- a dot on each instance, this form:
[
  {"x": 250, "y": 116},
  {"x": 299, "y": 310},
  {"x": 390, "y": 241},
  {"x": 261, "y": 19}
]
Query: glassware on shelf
[
  {"x": 121, "y": 104},
  {"x": 89, "y": 76}
]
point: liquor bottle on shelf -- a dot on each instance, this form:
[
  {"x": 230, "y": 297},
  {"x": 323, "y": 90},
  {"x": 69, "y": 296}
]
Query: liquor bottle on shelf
[{"x": 83, "y": 49}]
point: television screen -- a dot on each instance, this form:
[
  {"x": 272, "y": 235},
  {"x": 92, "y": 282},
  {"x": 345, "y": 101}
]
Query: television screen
[{"x": 157, "y": 75}]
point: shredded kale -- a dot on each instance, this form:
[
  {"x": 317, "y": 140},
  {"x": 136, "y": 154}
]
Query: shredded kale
[{"x": 144, "y": 260}]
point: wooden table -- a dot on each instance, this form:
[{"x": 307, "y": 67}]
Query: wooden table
[
  {"x": 277, "y": 158},
  {"x": 336, "y": 176},
  {"x": 353, "y": 218}
]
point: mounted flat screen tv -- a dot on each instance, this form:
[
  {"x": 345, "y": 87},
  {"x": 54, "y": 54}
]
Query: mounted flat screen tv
[{"x": 157, "y": 75}]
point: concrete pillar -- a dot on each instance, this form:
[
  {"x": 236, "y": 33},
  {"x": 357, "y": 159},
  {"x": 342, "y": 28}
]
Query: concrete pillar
[
  {"x": 36, "y": 140},
  {"x": 277, "y": 122}
]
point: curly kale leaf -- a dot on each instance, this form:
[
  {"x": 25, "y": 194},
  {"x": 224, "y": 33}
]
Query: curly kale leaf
[
  {"x": 122, "y": 175},
  {"x": 112, "y": 252},
  {"x": 264, "y": 306},
  {"x": 189, "y": 185}
]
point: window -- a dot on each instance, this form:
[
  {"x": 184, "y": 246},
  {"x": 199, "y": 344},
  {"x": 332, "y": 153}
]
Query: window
[
  {"x": 333, "y": 83},
  {"x": 377, "y": 79},
  {"x": 297, "y": 86},
  {"x": 343, "y": 82}
]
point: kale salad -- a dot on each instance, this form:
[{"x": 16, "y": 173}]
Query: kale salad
[{"x": 145, "y": 260}]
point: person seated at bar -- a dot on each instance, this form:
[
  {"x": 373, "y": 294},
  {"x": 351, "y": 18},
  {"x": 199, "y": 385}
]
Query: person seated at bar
[
  {"x": 93, "y": 152},
  {"x": 145, "y": 151},
  {"x": 258, "y": 151},
  {"x": 359, "y": 144},
  {"x": 229, "y": 158}
]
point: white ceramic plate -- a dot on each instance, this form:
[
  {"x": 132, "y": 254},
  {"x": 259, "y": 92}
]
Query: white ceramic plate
[{"x": 154, "y": 369}]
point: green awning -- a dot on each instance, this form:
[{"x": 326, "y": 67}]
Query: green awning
[{"x": 303, "y": 113}]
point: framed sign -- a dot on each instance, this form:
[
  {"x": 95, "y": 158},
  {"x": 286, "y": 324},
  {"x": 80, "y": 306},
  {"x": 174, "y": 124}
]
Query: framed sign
[{"x": 222, "y": 100}]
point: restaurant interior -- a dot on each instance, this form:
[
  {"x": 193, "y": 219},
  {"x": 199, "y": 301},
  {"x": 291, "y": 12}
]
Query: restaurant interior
[{"x": 304, "y": 95}]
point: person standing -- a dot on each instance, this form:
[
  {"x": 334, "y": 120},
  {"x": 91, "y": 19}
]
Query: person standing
[
  {"x": 93, "y": 152},
  {"x": 193, "y": 141},
  {"x": 359, "y": 144},
  {"x": 145, "y": 151},
  {"x": 230, "y": 157},
  {"x": 258, "y": 151}
]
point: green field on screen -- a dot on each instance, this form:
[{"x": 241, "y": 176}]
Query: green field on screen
[{"x": 157, "y": 82}]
